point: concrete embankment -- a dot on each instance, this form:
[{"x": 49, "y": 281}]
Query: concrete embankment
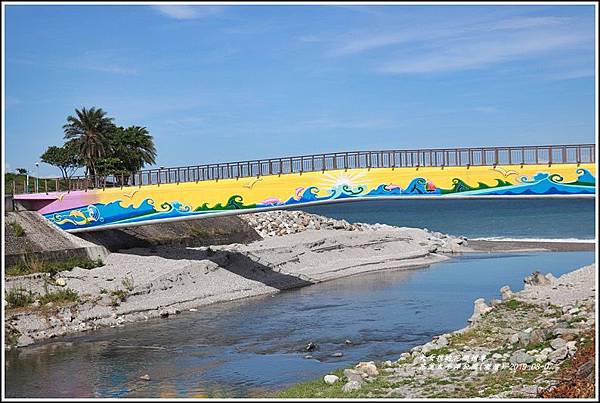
[
  {"x": 538, "y": 342},
  {"x": 143, "y": 283},
  {"x": 28, "y": 234}
]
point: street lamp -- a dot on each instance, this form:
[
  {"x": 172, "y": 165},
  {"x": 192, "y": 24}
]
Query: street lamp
[{"x": 37, "y": 177}]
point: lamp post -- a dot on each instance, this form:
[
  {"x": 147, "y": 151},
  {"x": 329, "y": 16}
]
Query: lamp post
[{"x": 37, "y": 177}]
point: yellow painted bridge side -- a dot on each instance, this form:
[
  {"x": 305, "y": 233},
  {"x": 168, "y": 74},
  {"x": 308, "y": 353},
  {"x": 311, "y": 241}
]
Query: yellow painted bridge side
[{"x": 135, "y": 205}]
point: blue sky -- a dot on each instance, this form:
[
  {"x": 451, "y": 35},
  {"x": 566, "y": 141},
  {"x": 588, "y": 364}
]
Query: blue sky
[{"x": 220, "y": 83}]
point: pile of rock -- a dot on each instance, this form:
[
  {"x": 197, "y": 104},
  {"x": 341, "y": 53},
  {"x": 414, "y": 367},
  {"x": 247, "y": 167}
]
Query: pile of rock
[
  {"x": 278, "y": 223},
  {"x": 362, "y": 372},
  {"x": 528, "y": 332}
]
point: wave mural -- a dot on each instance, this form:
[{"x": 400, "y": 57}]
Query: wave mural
[{"x": 150, "y": 208}]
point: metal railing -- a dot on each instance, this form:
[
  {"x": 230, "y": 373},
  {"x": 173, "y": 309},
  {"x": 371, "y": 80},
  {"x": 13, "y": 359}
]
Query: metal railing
[{"x": 438, "y": 157}]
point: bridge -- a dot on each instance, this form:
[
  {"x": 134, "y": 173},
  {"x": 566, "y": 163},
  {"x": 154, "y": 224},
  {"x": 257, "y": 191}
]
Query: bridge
[{"x": 192, "y": 192}]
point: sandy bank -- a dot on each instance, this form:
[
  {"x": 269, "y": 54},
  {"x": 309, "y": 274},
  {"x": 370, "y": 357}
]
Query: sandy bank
[{"x": 139, "y": 284}]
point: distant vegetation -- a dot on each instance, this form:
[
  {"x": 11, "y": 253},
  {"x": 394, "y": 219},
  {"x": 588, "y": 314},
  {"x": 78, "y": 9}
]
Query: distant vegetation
[{"x": 95, "y": 143}]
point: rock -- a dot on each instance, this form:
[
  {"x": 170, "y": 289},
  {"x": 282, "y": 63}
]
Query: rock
[
  {"x": 36, "y": 303},
  {"x": 145, "y": 377},
  {"x": 353, "y": 375},
  {"x": 524, "y": 338},
  {"x": 368, "y": 368},
  {"x": 404, "y": 356},
  {"x": 586, "y": 370},
  {"x": 164, "y": 314},
  {"x": 337, "y": 354},
  {"x": 442, "y": 341},
  {"x": 551, "y": 277},
  {"x": 514, "y": 338},
  {"x": 558, "y": 355},
  {"x": 388, "y": 363},
  {"x": 538, "y": 335},
  {"x": 480, "y": 308},
  {"x": 61, "y": 282},
  {"x": 536, "y": 278},
  {"x": 520, "y": 357},
  {"x": 65, "y": 314},
  {"x": 496, "y": 302},
  {"x": 573, "y": 311},
  {"x": 348, "y": 342},
  {"x": 351, "y": 386},
  {"x": 330, "y": 379},
  {"x": 557, "y": 343},
  {"x": 308, "y": 357},
  {"x": 497, "y": 356},
  {"x": 193, "y": 310},
  {"x": 506, "y": 293},
  {"x": 427, "y": 347},
  {"x": 311, "y": 346}
]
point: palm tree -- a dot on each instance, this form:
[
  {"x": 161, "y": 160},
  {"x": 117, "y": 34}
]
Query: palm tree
[
  {"x": 89, "y": 129},
  {"x": 139, "y": 148}
]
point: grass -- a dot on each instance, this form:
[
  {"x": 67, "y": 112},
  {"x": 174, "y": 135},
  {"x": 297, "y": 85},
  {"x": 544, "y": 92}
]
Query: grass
[
  {"x": 319, "y": 389},
  {"x": 18, "y": 297},
  {"x": 66, "y": 295},
  {"x": 128, "y": 283},
  {"x": 512, "y": 304},
  {"x": 118, "y": 296},
  {"x": 33, "y": 264},
  {"x": 17, "y": 229}
]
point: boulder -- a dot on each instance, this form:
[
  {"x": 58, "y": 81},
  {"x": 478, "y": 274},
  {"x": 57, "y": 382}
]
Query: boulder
[
  {"x": 538, "y": 335},
  {"x": 520, "y": 357},
  {"x": 558, "y": 355},
  {"x": 311, "y": 346},
  {"x": 514, "y": 338},
  {"x": 353, "y": 375},
  {"x": 145, "y": 377},
  {"x": 61, "y": 282},
  {"x": 536, "y": 278},
  {"x": 330, "y": 379},
  {"x": 479, "y": 309},
  {"x": 442, "y": 341},
  {"x": 368, "y": 368},
  {"x": 351, "y": 386},
  {"x": 506, "y": 293},
  {"x": 557, "y": 343}
]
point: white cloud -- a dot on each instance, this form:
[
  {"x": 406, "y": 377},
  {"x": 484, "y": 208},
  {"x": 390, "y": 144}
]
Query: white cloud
[
  {"x": 181, "y": 12},
  {"x": 527, "y": 22},
  {"x": 362, "y": 42},
  {"x": 464, "y": 55}
]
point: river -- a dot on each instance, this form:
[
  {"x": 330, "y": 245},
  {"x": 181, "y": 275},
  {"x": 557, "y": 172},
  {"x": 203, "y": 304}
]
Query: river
[{"x": 254, "y": 347}]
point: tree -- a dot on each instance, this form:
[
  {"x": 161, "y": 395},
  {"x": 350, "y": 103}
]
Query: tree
[
  {"x": 66, "y": 158},
  {"x": 130, "y": 149},
  {"x": 89, "y": 130}
]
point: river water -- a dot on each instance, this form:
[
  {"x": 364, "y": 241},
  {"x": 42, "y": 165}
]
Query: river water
[{"x": 254, "y": 347}]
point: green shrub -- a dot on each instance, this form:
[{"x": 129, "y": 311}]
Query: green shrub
[
  {"x": 34, "y": 264},
  {"x": 18, "y": 296},
  {"x": 66, "y": 295},
  {"x": 128, "y": 283},
  {"x": 17, "y": 229}
]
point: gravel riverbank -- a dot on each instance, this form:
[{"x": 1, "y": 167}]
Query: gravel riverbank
[
  {"x": 538, "y": 342},
  {"x": 298, "y": 249}
]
